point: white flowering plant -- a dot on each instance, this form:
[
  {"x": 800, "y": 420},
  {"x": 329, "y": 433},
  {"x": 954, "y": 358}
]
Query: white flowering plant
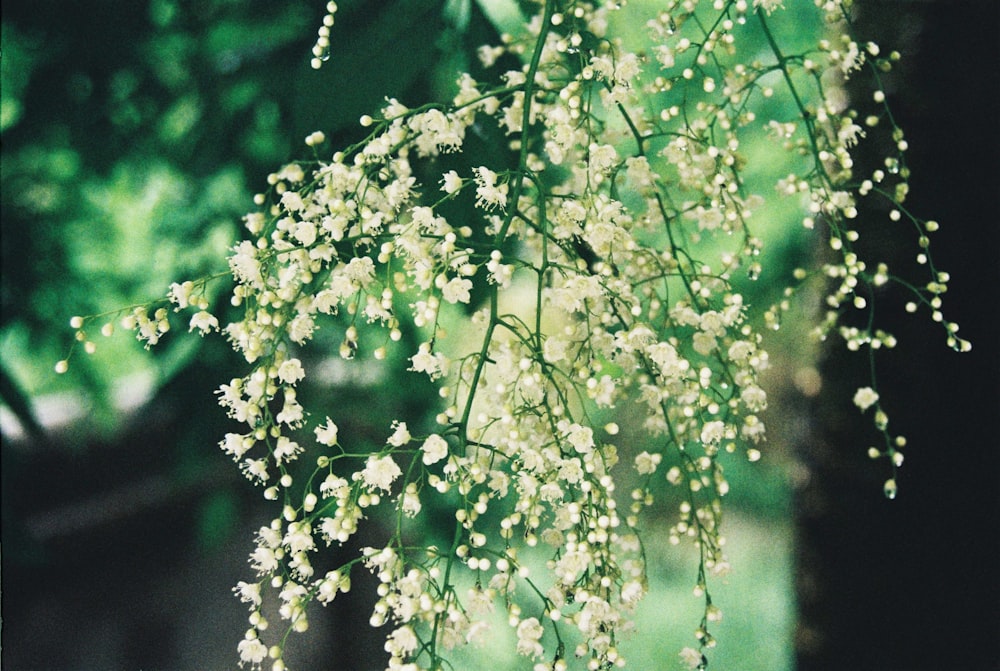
[{"x": 600, "y": 271}]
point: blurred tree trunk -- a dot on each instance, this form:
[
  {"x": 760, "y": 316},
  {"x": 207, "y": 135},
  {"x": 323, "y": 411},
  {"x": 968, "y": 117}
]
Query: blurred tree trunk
[{"x": 911, "y": 584}]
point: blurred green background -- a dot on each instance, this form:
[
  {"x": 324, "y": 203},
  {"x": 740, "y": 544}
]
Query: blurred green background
[{"x": 134, "y": 135}]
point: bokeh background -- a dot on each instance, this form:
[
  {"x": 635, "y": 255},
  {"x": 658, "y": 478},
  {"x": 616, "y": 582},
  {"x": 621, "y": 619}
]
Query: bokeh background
[{"x": 134, "y": 134}]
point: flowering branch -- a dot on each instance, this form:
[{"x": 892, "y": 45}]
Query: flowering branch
[{"x": 609, "y": 259}]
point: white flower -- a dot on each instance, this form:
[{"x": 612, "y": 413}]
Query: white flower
[
  {"x": 245, "y": 266},
  {"x": 703, "y": 343},
  {"x": 740, "y": 350},
  {"x": 236, "y": 444},
  {"x": 292, "y": 201},
  {"x": 451, "y": 182},
  {"x": 411, "y": 501},
  {"x": 400, "y": 435},
  {"x": 301, "y": 328},
  {"x": 499, "y": 482},
  {"x": 179, "y": 294},
  {"x": 328, "y": 587},
  {"x": 646, "y": 463},
  {"x": 603, "y": 66},
  {"x": 712, "y": 432},
  {"x": 286, "y": 450},
  {"x": 435, "y": 448},
  {"x": 255, "y": 222},
  {"x": 291, "y": 173},
  {"x": 256, "y": 469},
  {"x": 457, "y": 290},
  {"x": 849, "y": 133},
  {"x": 691, "y": 658},
  {"x": 291, "y": 371},
  {"x": 380, "y": 472},
  {"x": 305, "y": 233},
  {"x": 581, "y": 438},
  {"x": 263, "y": 560},
  {"x": 327, "y": 433},
  {"x": 632, "y": 592},
  {"x": 571, "y": 565},
  {"x": 401, "y": 642},
  {"x": 528, "y": 634},
  {"x": 500, "y": 273},
  {"x": 554, "y": 349},
  {"x": 665, "y": 356},
  {"x": 204, "y": 322},
  {"x": 627, "y": 68},
  {"x": 753, "y": 429},
  {"x": 299, "y": 538},
  {"x": 292, "y": 412},
  {"x": 754, "y": 397},
  {"x": 488, "y": 194},
  {"x": 436, "y": 132},
  {"x": 249, "y": 592},
  {"x": 251, "y": 650},
  {"x": 602, "y": 157},
  {"x": 865, "y": 397},
  {"x": 488, "y": 55},
  {"x": 360, "y": 269},
  {"x": 424, "y": 361},
  {"x": 335, "y": 486}
]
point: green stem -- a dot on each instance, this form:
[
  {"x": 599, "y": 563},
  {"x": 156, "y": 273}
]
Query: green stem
[{"x": 529, "y": 91}]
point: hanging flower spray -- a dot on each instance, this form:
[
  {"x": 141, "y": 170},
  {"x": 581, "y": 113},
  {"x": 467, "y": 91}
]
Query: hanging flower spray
[{"x": 599, "y": 273}]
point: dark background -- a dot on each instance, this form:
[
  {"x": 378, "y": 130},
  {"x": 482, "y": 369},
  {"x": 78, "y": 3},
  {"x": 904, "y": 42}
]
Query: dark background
[{"x": 912, "y": 584}]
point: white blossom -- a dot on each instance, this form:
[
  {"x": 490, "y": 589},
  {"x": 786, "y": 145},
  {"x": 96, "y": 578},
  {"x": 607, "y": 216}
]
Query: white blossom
[
  {"x": 865, "y": 397},
  {"x": 434, "y": 449},
  {"x": 327, "y": 433},
  {"x": 380, "y": 472}
]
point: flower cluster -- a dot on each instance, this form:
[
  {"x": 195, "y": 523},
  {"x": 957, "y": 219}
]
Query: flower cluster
[{"x": 601, "y": 270}]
